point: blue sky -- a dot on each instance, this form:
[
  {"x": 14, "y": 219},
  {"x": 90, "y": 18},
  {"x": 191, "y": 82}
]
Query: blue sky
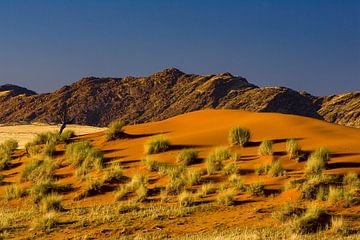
[{"x": 306, "y": 45}]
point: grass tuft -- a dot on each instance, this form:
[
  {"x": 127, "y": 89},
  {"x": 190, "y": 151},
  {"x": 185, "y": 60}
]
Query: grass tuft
[
  {"x": 215, "y": 158},
  {"x": 239, "y": 136},
  {"x": 187, "y": 156},
  {"x": 157, "y": 144},
  {"x": 293, "y": 148},
  {"x": 186, "y": 199},
  {"x": 265, "y": 148},
  {"x": 115, "y": 130},
  {"x": 227, "y": 197}
]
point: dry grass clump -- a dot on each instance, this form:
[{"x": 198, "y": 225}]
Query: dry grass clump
[
  {"x": 310, "y": 188},
  {"x": 39, "y": 169},
  {"x": 335, "y": 194},
  {"x": 192, "y": 177},
  {"x": 231, "y": 168},
  {"x": 187, "y": 156},
  {"x": 46, "y": 222},
  {"x": 262, "y": 169},
  {"x": 85, "y": 157},
  {"x": 41, "y": 189},
  {"x": 276, "y": 169},
  {"x": 288, "y": 211},
  {"x": 236, "y": 182},
  {"x": 157, "y": 144},
  {"x": 51, "y": 202},
  {"x": 49, "y": 148},
  {"x": 113, "y": 174},
  {"x": 256, "y": 189},
  {"x": 115, "y": 130},
  {"x": 66, "y": 135},
  {"x": 138, "y": 184},
  {"x": 227, "y": 197},
  {"x": 215, "y": 158},
  {"x": 239, "y": 136},
  {"x": 317, "y": 161},
  {"x": 6, "y": 149},
  {"x": 314, "y": 219},
  {"x": 265, "y": 148},
  {"x": 151, "y": 164},
  {"x": 32, "y": 149},
  {"x": 352, "y": 180},
  {"x": 186, "y": 199},
  {"x": 14, "y": 191},
  {"x": 206, "y": 189},
  {"x": 293, "y": 148}
]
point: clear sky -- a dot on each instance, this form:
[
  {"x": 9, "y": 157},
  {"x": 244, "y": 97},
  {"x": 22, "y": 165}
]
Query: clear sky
[{"x": 309, "y": 45}]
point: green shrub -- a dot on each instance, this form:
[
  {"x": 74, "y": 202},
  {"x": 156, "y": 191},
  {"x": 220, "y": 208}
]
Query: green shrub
[
  {"x": 239, "y": 136},
  {"x": 276, "y": 169},
  {"x": 315, "y": 218},
  {"x": 13, "y": 192},
  {"x": 51, "y": 202},
  {"x": 151, "y": 164},
  {"x": 186, "y": 199},
  {"x": 187, "y": 156},
  {"x": 157, "y": 144},
  {"x": 262, "y": 169},
  {"x": 256, "y": 189},
  {"x": 226, "y": 197},
  {"x": 66, "y": 135},
  {"x": 293, "y": 148},
  {"x": 288, "y": 211},
  {"x": 41, "y": 189},
  {"x": 39, "y": 169},
  {"x": 265, "y": 148},
  {"x": 115, "y": 130},
  {"x": 113, "y": 174},
  {"x": 231, "y": 168},
  {"x": 236, "y": 182},
  {"x": 215, "y": 158}
]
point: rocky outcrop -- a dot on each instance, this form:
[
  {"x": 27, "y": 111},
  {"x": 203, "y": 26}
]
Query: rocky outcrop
[{"x": 97, "y": 101}]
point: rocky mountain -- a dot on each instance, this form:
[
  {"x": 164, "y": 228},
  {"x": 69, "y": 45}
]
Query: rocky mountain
[{"x": 97, "y": 101}]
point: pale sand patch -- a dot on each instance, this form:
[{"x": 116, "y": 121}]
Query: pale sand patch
[{"x": 25, "y": 133}]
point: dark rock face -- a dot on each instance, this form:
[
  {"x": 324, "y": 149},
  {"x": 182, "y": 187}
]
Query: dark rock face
[{"x": 98, "y": 101}]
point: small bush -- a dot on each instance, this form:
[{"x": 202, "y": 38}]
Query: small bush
[
  {"x": 13, "y": 192},
  {"x": 310, "y": 188},
  {"x": 288, "y": 211},
  {"x": 276, "y": 169},
  {"x": 151, "y": 164},
  {"x": 215, "y": 158},
  {"x": 157, "y": 144},
  {"x": 256, "y": 189},
  {"x": 265, "y": 148},
  {"x": 231, "y": 168},
  {"x": 262, "y": 169},
  {"x": 32, "y": 149},
  {"x": 137, "y": 181},
  {"x": 121, "y": 192},
  {"x": 42, "y": 189},
  {"x": 227, "y": 197},
  {"x": 43, "y": 138},
  {"x": 49, "y": 148},
  {"x": 39, "y": 169},
  {"x": 66, "y": 135},
  {"x": 115, "y": 130},
  {"x": 192, "y": 177},
  {"x": 10, "y": 145},
  {"x": 6, "y": 149},
  {"x": 293, "y": 148},
  {"x": 239, "y": 136},
  {"x": 175, "y": 186},
  {"x": 321, "y": 153},
  {"x": 51, "y": 202},
  {"x": 206, "y": 189},
  {"x": 236, "y": 182},
  {"x": 235, "y": 156},
  {"x": 186, "y": 199},
  {"x": 187, "y": 156},
  {"x": 92, "y": 185},
  {"x": 113, "y": 174},
  {"x": 317, "y": 161},
  {"x": 315, "y": 218}
]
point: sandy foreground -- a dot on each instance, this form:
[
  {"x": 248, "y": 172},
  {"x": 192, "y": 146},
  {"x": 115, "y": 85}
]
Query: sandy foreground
[{"x": 25, "y": 133}]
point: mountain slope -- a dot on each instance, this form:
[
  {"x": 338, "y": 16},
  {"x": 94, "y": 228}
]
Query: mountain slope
[{"x": 97, "y": 101}]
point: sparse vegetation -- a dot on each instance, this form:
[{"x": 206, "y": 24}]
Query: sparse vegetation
[
  {"x": 206, "y": 189},
  {"x": 352, "y": 180},
  {"x": 51, "y": 202},
  {"x": 113, "y": 174},
  {"x": 187, "y": 156},
  {"x": 231, "y": 168},
  {"x": 46, "y": 221},
  {"x": 276, "y": 169},
  {"x": 239, "y": 136},
  {"x": 39, "y": 169},
  {"x": 335, "y": 194},
  {"x": 256, "y": 189},
  {"x": 186, "y": 199},
  {"x": 41, "y": 189},
  {"x": 265, "y": 148},
  {"x": 13, "y": 191},
  {"x": 317, "y": 161},
  {"x": 215, "y": 158},
  {"x": 226, "y": 197},
  {"x": 293, "y": 148},
  {"x": 315, "y": 218},
  {"x": 157, "y": 144},
  {"x": 262, "y": 169},
  {"x": 66, "y": 135},
  {"x": 151, "y": 164},
  {"x": 115, "y": 130},
  {"x": 6, "y": 149}
]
